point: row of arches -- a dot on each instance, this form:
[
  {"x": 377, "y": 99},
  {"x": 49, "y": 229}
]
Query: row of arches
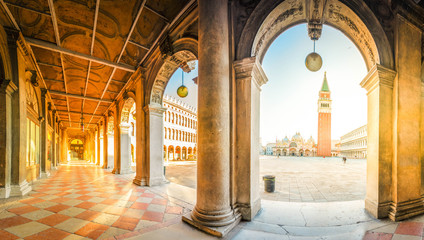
[
  {"x": 180, "y": 120},
  {"x": 172, "y": 153},
  {"x": 179, "y": 135}
]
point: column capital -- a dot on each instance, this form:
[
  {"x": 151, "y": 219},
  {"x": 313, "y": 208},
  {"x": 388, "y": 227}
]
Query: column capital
[
  {"x": 377, "y": 76},
  {"x": 248, "y": 68},
  {"x": 7, "y": 86},
  {"x": 154, "y": 109}
]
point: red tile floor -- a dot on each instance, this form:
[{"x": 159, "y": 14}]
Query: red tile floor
[
  {"x": 86, "y": 202},
  {"x": 406, "y": 230}
]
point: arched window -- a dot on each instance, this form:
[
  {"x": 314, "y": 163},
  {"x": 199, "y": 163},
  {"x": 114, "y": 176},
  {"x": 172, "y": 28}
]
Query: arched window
[
  {"x": 173, "y": 117},
  {"x": 133, "y": 129},
  {"x": 166, "y": 132}
]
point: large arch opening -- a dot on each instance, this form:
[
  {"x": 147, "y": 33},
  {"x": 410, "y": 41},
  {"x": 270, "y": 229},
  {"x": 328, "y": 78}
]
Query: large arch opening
[
  {"x": 296, "y": 125},
  {"x": 265, "y": 24}
]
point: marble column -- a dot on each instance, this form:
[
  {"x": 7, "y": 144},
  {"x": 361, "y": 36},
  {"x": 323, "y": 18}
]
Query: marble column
[
  {"x": 7, "y": 88},
  {"x": 101, "y": 146},
  {"x": 153, "y": 173},
  {"x": 53, "y": 142},
  {"x": 64, "y": 141},
  {"x": 105, "y": 141},
  {"x": 213, "y": 212},
  {"x": 379, "y": 85},
  {"x": 125, "y": 163},
  {"x": 406, "y": 184},
  {"x": 110, "y": 148},
  {"x": 141, "y": 172},
  {"x": 19, "y": 184},
  {"x": 44, "y": 171},
  {"x": 98, "y": 145},
  {"x": 117, "y": 140},
  {"x": 249, "y": 79}
]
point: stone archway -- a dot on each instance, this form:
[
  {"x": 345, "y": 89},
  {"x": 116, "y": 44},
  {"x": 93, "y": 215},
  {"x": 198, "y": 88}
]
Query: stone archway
[
  {"x": 265, "y": 24},
  {"x": 184, "y": 51}
]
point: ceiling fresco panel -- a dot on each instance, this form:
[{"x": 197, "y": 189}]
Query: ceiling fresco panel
[
  {"x": 46, "y": 56},
  {"x": 168, "y": 8},
  {"x": 33, "y": 24},
  {"x": 133, "y": 55},
  {"x": 148, "y": 28},
  {"x": 113, "y": 27}
]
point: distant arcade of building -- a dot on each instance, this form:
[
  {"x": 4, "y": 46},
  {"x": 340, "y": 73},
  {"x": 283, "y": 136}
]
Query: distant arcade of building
[
  {"x": 354, "y": 143},
  {"x": 180, "y": 130}
]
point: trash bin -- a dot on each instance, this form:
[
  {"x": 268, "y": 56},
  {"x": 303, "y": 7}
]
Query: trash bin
[{"x": 269, "y": 181}]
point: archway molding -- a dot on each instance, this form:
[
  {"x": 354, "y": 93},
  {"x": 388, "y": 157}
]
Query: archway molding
[{"x": 354, "y": 18}]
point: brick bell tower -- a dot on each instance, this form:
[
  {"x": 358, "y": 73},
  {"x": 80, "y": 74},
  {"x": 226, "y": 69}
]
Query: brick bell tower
[{"x": 324, "y": 120}]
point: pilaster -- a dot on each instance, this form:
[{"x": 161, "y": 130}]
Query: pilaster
[
  {"x": 249, "y": 79},
  {"x": 44, "y": 171},
  {"x": 7, "y": 88},
  {"x": 379, "y": 85},
  {"x": 406, "y": 184}
]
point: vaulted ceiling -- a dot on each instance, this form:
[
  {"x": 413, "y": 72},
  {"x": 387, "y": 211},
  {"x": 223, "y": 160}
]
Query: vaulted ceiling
[{"x": 87, "y": 50}]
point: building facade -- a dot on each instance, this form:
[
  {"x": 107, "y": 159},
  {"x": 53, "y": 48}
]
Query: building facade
[
  {"x": 296, "y": 146},
  {"x": 324, "y": 120},
  {"x": 354, "y": 143},
  {"x": 180, "y": 130}
]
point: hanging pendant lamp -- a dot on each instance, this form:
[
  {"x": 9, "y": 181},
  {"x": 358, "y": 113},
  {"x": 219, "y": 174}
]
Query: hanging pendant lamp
[
  {"x": 313, "y": 61},
  {"x": 182, "y": 91}
]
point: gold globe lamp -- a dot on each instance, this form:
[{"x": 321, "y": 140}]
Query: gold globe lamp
[
  {"x": 182, "y": 91},
  {"x": 313, "y": 61}
]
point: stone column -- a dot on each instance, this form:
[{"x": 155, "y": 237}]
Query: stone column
[
  {"x": 406, "y": 184},
  {"x": 101, "y": 145},
  {"x": 379, "y": 86},
  {"x": 154, "y": 149},
  {"x": 98, "y": 146},
  {"x": 141, "y": 172},
  {"x": 44, "y": 171},
  {"x": 213, "y": 212},
  {"x": 110, "y": 148},
  {"x": 105, "y": 142},
  {"x": 53, "y": 142},
  {"x": 125, "y": 164},
  {"x": 19, "y": 186},
  {"x": 64, "y": 144},
  {"x": 7, "y": 88},
  {"x": 117, "y": 140},
  {"x": 249, "y": 79}
]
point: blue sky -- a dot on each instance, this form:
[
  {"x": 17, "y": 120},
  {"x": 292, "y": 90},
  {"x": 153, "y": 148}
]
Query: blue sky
[{"x": 289, "y": 99}]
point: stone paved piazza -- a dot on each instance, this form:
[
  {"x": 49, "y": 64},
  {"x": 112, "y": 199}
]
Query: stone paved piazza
[{"x": 298, "y": 179}]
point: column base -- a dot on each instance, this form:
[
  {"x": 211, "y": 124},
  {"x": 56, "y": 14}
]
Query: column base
[
  {"x": 248, "y": 212},
  {"x": 377, "y": 210},
  {"x": 44, "y": 175},
  {"x": 407, "y": 209},
  {"x": 156, "y": 181},
  {"x": 20, "y": 190},
  {"x": 140, "y": 182},
  {"x": 5, "y": 192},
  {"x": 215, "y": 231}
]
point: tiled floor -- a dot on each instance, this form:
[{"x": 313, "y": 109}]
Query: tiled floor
[
  {"x": 408, "y": 230},
  {"x": 87, "y": 202},
  {"x": 83, "y": 201}
]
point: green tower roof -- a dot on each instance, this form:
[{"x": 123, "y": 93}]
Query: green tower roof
[{"x": 325, "y": 87}]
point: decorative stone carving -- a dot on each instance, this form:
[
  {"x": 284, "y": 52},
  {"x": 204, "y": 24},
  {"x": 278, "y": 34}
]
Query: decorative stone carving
[
  {"x": 166, "y": 47},
  {"x": 339, "y": 15},
  {"x": 168, "y": 68}
]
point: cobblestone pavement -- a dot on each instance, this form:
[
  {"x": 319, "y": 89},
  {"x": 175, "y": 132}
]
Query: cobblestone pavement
[{"x": 298, "y": 179}]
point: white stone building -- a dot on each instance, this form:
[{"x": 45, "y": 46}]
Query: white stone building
[
  {"x": 354, "y": 143},
  {"x": 180, "y": 130}
]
